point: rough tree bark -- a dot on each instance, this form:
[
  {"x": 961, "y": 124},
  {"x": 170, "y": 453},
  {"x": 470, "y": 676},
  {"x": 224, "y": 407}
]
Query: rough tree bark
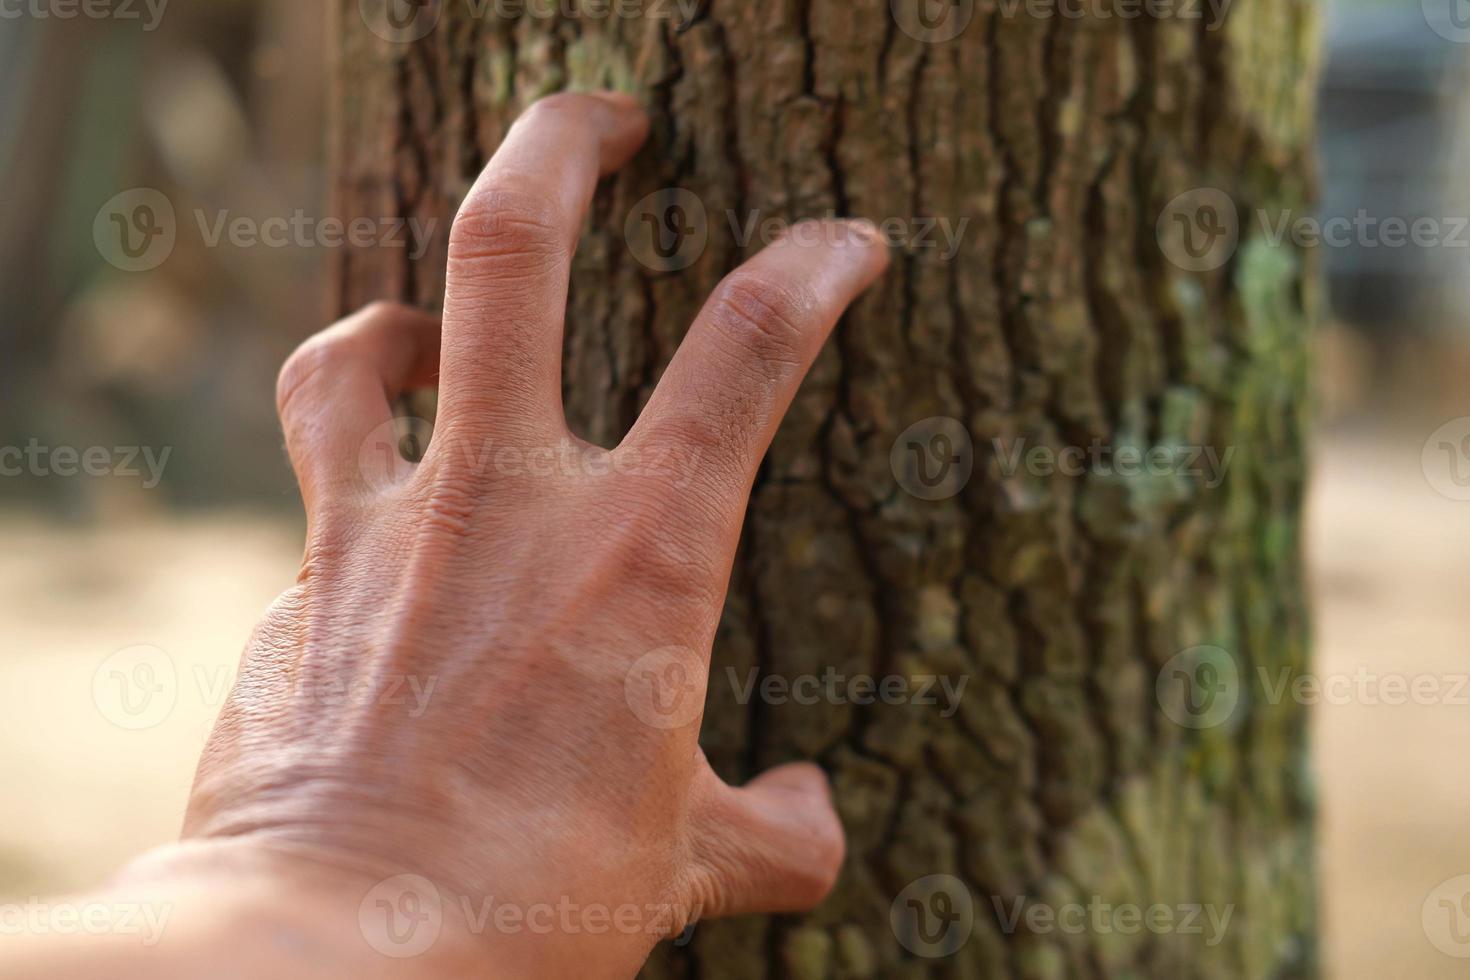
[{"x": 1061, "y": 321}]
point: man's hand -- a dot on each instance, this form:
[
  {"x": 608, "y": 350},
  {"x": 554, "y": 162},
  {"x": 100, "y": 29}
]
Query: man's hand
[{"x": 486, "y": 686}]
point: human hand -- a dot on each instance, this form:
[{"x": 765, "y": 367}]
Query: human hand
[{"x": 502, "y": 633}]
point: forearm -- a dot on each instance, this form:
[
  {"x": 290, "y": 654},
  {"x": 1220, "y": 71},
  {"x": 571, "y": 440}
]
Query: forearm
[
  {"x": 224, "y": 911},
  {"x": 230, "y": 910}
]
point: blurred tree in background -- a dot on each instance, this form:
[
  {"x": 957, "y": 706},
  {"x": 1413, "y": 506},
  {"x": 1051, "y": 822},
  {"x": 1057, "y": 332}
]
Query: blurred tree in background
[{"x": 219, "y": 108}]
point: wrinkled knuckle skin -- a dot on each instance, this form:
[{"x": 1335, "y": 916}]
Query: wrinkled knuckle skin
[
  {"x": 449, "y": 508},
  {"x": 669, "y": 560},
  {"x": 502, "y": 232},
  {"x": 684, "y": 565},
  {"x": 768, "y": 319}
]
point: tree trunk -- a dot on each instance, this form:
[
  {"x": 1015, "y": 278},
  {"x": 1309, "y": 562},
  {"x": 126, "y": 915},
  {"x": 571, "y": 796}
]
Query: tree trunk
[{"x": 1073, "y": 778}]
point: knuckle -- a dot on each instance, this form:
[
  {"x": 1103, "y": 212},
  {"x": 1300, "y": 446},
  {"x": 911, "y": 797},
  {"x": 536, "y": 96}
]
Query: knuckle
[
  {"x": 668, "y": 558},
  {"x": 499, "y": 231},
  {"x": 383, "y": 318},
  {"x": 306, "y": 366},
  {"x": 677, "y": 554},
  {"x": 771, "y": 319},
  {"x": 383, "y": 311},
  {"x": 559, "y": 103},
  {"x": 449, "y": 509}
]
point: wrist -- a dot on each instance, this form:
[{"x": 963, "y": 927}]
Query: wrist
[
  {"x": 302, "y": 914},
  {"x": 235, "y": 909}
]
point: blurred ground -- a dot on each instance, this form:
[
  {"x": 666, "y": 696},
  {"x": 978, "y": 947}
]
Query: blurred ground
[
  {"x": 1391, "y": 565},
  {"x": 81, "y": 792}
]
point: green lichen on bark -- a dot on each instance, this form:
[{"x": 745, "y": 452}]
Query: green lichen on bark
[{"x": 1059, "y": 322}]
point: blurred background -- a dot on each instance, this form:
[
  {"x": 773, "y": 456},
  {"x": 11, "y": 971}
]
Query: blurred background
[{"x": 221, "y": 106}]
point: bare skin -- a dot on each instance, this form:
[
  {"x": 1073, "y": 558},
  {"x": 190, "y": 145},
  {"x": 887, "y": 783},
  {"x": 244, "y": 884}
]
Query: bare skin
[{"x": 469, "y": 709}]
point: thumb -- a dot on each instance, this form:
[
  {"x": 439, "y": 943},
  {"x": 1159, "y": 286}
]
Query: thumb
[{"x": 774, "y": 845}]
